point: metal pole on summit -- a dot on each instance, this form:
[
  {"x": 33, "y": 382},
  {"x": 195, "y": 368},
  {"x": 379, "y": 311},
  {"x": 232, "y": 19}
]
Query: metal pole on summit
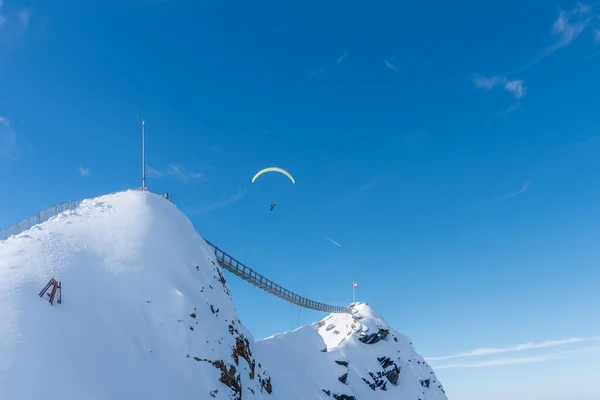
[
  {"x": 354, "y": 284},
  {"x": 143, "y": 158}
]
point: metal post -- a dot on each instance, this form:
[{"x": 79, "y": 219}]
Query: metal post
[{"x": 143, "y": 158}]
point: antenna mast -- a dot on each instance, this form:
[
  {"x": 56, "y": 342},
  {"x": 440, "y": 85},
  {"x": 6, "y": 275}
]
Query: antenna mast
[{"x": 143, "y": 158}]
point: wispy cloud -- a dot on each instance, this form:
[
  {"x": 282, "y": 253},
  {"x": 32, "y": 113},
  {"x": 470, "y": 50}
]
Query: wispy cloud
[
  {"x": 315, "y": 73},
  {"x": 515, "y": 87},
  {"x": 568, "y": 26},
  {"x": 391, "y": 66},
  {"x": 183, "y": 173},
  {"x": 520, "y": 360},
  {"x": 202, "y": 208},
  {"x": 486, "y": 351},
  {"x": 177, "y": 171},
  {"x": 354, "y": 195},
  {"x": 9, "y": 147},
  {"x": 590, "y": 56},
  {"x": 524, "y": 188},
  {"x": 2, "y": 17},
  {"x": 342, "y": 58},
  {"x": 153, "y": 172},
  {"x": 83, "y": 171},
  {"x": 334, "y": 242},
  {"x": 24, "y": 16}
]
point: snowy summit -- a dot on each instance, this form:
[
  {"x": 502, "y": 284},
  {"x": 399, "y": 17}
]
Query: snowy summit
[{"x": 146, "y": 313}]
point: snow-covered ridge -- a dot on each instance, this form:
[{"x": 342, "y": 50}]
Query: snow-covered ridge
[
  {"x": 351, "y": 356},
  {"x": 223, "y": 259},
  {"x": 147, "y": 313}
]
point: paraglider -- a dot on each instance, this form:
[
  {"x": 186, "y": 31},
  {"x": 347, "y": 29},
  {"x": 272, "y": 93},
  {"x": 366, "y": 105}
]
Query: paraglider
[{"x": 274, "y": 169}]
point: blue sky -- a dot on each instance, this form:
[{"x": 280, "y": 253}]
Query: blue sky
[{"x": 450, "y": 149}]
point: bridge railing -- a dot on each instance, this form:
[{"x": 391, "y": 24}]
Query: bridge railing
[
  {"x": 38, "y": 218},
  {"x": 248, "y": 274},
  {"x": 225, "y": 260},
  {"x": 46, "y": 214}
]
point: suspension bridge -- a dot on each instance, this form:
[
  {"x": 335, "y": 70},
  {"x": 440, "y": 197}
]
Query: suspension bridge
[{"x": 226, "y": 261}]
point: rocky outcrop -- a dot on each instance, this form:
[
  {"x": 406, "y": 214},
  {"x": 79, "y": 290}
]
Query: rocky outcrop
[
  {"x": 230, "y": 369},
  {"x": 337, "y": 396},
  {"x": 373, "y": 338},
  {"x": 265, "y": 384}
]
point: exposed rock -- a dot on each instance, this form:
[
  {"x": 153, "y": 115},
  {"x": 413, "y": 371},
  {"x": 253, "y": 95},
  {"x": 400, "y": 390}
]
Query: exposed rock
[
  {"x": 242, "y": 349},
  {"x": 389, "y": 370},
  {"x": 330, "y": 327},
  {"x": 266, "y": 384},
  {"x": 343, "y": 378},
  {"x": 385, "y": 361},
  {"x": 222, "y": 281},
  {"x": 343, "y": 397},
  {"x": 344, "y": 363},
  {"x": 327, "y": 392},
  {"x": 425, "y": 383},
  {"x": 378, "y": 379},
  {"x": 373, "y": 338},
  {"x": 393, "y": 375},
  {"x": 229, "y": 378},
  {"x": 371, "y": 384}
]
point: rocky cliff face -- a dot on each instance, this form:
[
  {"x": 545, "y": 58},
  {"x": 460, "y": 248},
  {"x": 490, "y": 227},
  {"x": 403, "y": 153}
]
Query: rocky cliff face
[{"x": 349, "y": 357}]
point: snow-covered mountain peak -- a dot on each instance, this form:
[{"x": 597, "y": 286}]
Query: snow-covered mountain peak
[
  {"x": 355, "y": 356},
  {"x": 364, "y": 321},
  {"x": 145, "y": 311}
]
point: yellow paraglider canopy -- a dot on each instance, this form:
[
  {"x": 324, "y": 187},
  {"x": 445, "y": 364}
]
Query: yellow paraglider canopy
[{"x": 274, "y": 169}]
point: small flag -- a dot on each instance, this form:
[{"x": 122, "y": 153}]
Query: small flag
[{"x": 355, "y": 285}]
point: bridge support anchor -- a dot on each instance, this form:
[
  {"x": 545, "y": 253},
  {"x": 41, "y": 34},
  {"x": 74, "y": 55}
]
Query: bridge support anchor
[{"x": 52, "y": 290}]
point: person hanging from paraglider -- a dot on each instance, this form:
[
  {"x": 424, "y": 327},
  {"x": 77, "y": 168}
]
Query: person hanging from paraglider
[{"x": 274, "y": 169}]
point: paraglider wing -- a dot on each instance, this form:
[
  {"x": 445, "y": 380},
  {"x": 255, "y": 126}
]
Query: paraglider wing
[{"x": 274, "y": 169}]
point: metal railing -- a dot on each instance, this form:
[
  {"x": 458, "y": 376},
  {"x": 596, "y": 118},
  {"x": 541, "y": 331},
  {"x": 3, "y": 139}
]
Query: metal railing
[
  {"x": 225, "y": 260},
  {"x": 38, "y": 218},
  {"x": 248, "y": 274}
]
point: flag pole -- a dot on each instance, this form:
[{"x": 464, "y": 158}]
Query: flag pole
[{"x": 143, "y": 157}]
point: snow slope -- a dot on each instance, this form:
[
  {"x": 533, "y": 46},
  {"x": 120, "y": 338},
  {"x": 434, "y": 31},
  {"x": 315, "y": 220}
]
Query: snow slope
[
  {"x": 146, "y": 314},
  {"x": 348, "y": 356}
]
